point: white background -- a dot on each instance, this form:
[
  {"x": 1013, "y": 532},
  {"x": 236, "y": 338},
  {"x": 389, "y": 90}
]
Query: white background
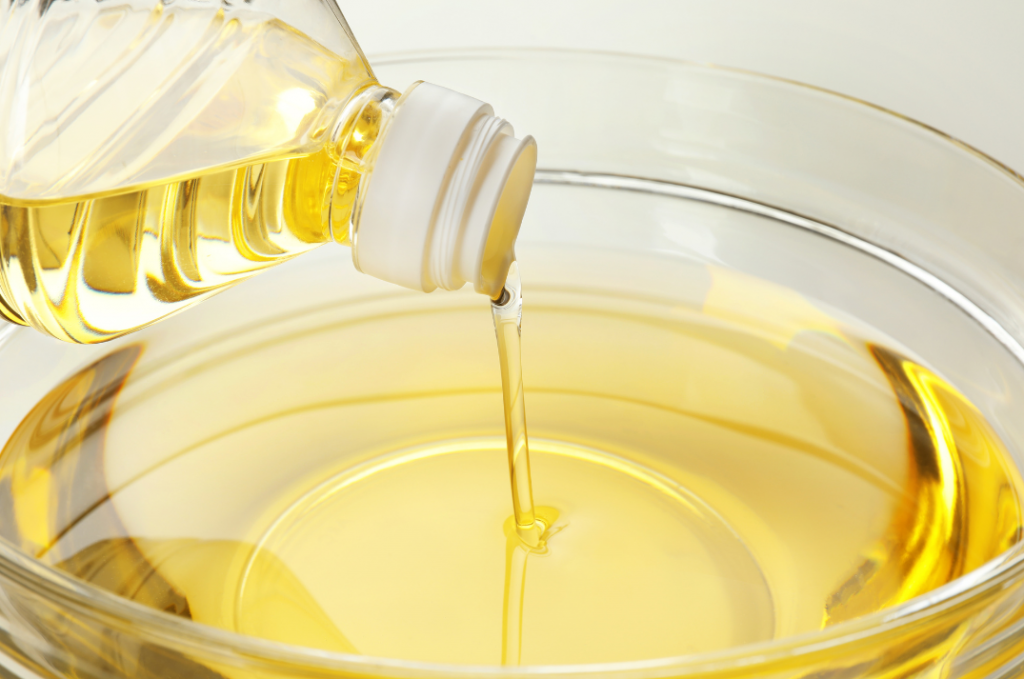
[{"x": 957, "y": 65}]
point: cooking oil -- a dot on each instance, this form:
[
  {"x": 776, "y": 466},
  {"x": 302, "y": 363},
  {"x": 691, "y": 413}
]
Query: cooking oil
[
  {"x": 704, "y": 475},
  {"x": 210, "y": 145},
  {"x": 507, "y": 312},
  {"x": 529, "y": 527}
]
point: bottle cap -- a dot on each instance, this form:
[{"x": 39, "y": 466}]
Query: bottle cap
[{"x": 445, "y": 197}]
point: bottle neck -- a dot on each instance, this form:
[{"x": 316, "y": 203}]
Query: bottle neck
[
  {"x": 442, "y": 187},
  {"x": 359, "y": 125}
]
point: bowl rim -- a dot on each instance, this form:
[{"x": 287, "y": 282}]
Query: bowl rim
[{"x": 202, "y": 641}]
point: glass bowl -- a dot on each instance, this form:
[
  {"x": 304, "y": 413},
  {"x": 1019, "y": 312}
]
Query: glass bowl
[{"x": 645, "y": 165}]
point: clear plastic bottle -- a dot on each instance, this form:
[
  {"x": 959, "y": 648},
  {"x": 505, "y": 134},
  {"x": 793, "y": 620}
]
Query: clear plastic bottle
[{"x": 155, "y": 153}]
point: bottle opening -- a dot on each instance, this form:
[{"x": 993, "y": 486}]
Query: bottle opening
[
  {"x": 445, "y": 199},
  {"x": 499, "y": 249}
]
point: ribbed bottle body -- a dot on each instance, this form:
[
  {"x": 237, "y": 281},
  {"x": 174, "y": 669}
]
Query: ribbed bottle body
[{"x": 159, "y": 155}]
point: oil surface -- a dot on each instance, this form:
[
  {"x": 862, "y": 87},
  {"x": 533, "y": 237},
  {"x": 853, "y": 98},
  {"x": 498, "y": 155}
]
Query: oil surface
[
  {"x": 706, "y": 476},
  {"x": 212, "y": 143}
]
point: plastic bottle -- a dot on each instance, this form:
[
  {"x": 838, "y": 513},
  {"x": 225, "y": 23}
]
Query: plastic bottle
[{"x": 155, "y": 153}]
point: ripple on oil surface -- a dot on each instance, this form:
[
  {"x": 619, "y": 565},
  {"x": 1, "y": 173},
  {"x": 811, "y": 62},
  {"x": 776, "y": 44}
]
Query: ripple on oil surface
[{"x": 407, "y": 555}]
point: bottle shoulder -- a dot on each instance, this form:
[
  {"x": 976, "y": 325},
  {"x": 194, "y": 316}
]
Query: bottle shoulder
[{"x": 160, "y": 94}]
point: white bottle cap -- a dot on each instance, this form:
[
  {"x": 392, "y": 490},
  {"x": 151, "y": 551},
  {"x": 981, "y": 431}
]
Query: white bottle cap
[{"x": 445, "y": 197}]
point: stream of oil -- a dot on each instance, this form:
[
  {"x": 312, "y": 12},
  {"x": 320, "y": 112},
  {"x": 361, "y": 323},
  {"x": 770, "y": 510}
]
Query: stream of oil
[{"x": 529, "y": 527}]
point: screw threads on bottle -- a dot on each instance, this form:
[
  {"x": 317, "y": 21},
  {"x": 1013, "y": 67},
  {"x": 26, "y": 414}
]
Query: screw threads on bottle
[{"x": 458, "y": 195}]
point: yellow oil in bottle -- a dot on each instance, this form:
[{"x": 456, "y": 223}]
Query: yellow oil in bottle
[
  {"x": 703, "y": 476},
  {"x": 211, "y": 146}
]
